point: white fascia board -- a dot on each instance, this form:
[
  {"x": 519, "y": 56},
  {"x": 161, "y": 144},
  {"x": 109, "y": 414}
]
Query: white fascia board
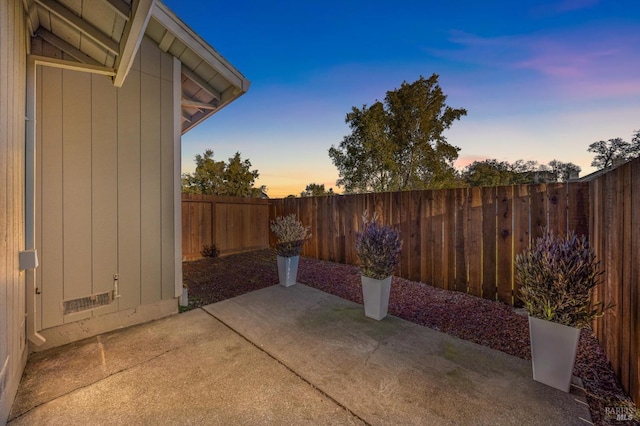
[
  {"x": 187, "y": 36},
  {"x": 133, "y": 34}
]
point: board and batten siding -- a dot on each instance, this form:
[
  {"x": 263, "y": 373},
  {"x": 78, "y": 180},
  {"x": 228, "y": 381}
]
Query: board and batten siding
[
  {"x": 12, "y": 239},
  {"x": 105, "y": 187}
]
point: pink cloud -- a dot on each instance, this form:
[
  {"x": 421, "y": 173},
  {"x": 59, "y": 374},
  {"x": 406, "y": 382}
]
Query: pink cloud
[
  {"x": 565, "y": 60},
  {"x": 464, "y": 160},
  {"x": 589, "y": 62}
]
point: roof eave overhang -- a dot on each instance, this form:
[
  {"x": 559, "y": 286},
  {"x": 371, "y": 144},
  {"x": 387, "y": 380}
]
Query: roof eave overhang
[
  {"x": 208, "y": 81},
  {"x": 133, "y": 34},
  {"x": 177, "y": 29}
]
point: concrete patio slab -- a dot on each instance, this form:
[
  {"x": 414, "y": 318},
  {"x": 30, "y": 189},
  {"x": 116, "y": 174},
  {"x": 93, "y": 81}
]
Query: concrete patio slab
[
  {"x": 393, "y": 371},
  {"x": 284, "y": 356},
  {"x": 186, "y": 369}
]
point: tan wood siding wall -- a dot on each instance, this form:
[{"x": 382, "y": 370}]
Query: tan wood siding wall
[
  {"x": 105, "y": 189},
  {"x": 12, "y": 158}
]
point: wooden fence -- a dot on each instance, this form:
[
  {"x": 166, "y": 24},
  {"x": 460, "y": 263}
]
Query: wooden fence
[
  {"x": 615, "y": 236},
  {"x": 233, "y": 224},
  {"x": 458, "y": 239}
]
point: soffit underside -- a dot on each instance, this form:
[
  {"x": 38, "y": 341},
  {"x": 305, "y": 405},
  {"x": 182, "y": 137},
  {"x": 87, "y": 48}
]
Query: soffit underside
[{"x": 97, "y": 32}]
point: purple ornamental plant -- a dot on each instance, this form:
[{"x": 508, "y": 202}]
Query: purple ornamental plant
[
  {"x": 557, "y": 276},
  {"x": 378, "y": 247},
  {"x": 291, "y": 235}
]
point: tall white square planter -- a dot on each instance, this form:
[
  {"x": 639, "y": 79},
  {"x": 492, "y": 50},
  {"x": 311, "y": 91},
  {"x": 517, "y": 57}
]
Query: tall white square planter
[
  {"x": 553, "y": 352},
  {"x": 376, "y": 297},
  {"x": 288, "y": 270}
]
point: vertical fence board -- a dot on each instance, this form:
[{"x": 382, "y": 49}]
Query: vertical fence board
[
  {"x": 460, "y": 215},
  {"x": 413, "y": 242},
  {"x": 557, "y": 207},
  {"x": 473, "y": 249},
  {"x": 402, "y": 223},
  {"x": 426, "y": 236},
  {"x": 538, "y": 209},
  {"x": 521, "y": 229},
  {"x": 578, "y": 204},
  {"x": 449, "y": 243},
  {"x": 505, "y": 256},
  {"x": 437, "y": 239},
  {"x": 312, "y": 221},
  {"x": 489, "y": 284},
  {"x": 426, "y": 248}
]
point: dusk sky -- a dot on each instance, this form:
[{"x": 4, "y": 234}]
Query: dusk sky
[{"x": 539, "y": 82}]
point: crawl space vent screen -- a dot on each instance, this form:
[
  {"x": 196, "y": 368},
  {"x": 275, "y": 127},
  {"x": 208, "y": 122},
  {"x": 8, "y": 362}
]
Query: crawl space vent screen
[{"x": 86, "y": 303}]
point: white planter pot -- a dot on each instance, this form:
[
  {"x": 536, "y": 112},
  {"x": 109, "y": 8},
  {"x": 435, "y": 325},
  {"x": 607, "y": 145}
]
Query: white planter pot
[
  {"x": 553, "y": 352},
  {"x": 376, "y": 297},
  {"x": 288, "y": 270}
]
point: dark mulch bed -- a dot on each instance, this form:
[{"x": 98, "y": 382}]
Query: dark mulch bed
[{"x": 486, "y": 322}]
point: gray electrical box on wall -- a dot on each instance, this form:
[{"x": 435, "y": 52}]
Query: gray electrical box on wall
[{"x": 28, "y": 259}]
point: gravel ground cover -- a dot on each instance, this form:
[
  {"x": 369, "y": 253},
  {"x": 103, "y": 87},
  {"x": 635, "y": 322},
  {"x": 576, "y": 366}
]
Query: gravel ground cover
[{"x": 489, "y": 323}]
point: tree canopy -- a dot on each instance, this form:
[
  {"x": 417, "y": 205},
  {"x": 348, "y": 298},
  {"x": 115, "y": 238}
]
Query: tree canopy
[
  {"x": 610, "y": 152},
  {"x": 316, "y": 190},
  {"x": 492, "y": 172},
  {"x": 234, "y": 178},
  {"x": 399, "y": 144}
]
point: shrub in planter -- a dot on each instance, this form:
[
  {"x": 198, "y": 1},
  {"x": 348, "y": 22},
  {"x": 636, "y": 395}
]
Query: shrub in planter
[
  {"x": 557, "y": 276},
  {"x": 378, "y": 247},
  {"x": 290, "y": 236}
]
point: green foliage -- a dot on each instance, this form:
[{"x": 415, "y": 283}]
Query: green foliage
[
  {"x": 210, "y": 250},
  {"x": 316, "y": 190},
  {"x": 239, "y": 177},
  {"x": 291, "y": 235},
  {"x": 399, "y": 144},
  {"x": 234, "y": 178},
  {"x": 378, "y": 247},
  {"x": 563, "y": 172},
  {"x": 207, "y": 178},
  {"x": 557, "y": 276},
  {"x": 614, "y": 151},
  {"x": 492, "y": 172}
]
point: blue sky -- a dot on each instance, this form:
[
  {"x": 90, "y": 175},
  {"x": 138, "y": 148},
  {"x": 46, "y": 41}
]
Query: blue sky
[{"x": 540, "y": 81}]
